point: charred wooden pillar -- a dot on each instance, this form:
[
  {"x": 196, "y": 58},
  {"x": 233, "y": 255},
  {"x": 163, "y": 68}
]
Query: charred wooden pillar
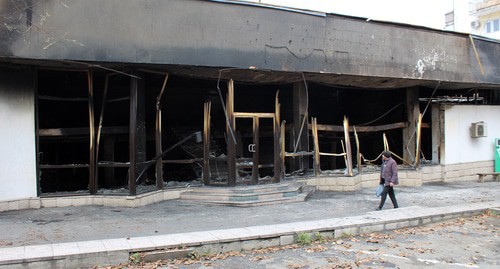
[
  {"x": 92, "y": 162},
  {"x": 348, "y": 147},
  {"x": 256, "y": 151},
  {"x": 358, "y": 152},
  {"x": 412, "y": 112},
  {"x": 299, "y": 138},
  {"x": 158, "y": 137},
  {"x": 206, "y": 143},
  {"x": 317, "y": 161},
  {"x": 277, "y": 144},
  {"x": 137, "y": 132},
  {"x": 108, "y": 149},
  {"x": 419, "y": 132},
  {"x": 231, "y": 143},
  {"x": 282, "y": 149}
]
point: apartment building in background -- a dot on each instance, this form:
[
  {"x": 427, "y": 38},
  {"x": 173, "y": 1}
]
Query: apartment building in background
[
  {"x": 478, "y": 17},
  {"x": 486, "y": 18}
]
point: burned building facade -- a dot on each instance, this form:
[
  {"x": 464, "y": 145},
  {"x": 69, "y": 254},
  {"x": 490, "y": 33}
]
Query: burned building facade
[{"x": 120, "y": 93}]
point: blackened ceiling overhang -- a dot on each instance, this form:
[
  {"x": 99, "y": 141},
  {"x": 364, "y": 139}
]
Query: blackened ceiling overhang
[{"x": 244, "y": 75}]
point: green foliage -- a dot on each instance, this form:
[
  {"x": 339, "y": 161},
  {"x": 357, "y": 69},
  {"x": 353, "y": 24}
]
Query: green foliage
[
  {"x": 318, "y": 237},
  {"x": 304, "y": 239},
  {"x": 136, "y": 258}
]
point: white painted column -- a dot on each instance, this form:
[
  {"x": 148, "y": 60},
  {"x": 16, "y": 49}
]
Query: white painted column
[{"x": 17, "y": 135}]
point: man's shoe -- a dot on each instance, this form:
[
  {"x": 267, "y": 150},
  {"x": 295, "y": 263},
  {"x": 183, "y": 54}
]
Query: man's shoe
[{"x": 378, "y": 208}]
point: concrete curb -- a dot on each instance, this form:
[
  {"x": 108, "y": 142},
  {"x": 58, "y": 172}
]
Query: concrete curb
[{"x": 115, "y": 251}]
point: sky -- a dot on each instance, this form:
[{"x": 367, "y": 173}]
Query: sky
[{"x": 429, "y": 13}]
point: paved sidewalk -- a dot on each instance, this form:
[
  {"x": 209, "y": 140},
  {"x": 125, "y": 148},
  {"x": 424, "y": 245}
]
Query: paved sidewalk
[{"x": 91, "y": 235}]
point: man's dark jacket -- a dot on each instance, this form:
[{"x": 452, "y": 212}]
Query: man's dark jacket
[{"x": 390, "y": 172}]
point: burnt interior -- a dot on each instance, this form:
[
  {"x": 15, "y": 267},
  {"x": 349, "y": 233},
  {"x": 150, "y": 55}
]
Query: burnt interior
[
  {"x": 63, "y": 124},
  {"x": 362, "y": 107}
]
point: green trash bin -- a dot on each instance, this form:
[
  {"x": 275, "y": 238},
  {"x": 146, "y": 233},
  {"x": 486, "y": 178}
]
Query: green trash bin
[{"x": 497, "y": 155}]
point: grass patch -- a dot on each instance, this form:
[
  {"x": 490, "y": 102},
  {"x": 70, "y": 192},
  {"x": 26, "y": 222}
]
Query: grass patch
[
  {"x": 136, "y": 258},
  {"x": 304, "y": 239}
]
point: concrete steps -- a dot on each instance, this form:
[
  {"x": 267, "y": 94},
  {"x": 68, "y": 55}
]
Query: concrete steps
[{"x": 250, "y": 195}]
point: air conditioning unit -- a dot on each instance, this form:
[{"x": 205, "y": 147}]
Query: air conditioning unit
[
  {"x": 475, "y": 24},
  {"x": 478, "y": 129}
]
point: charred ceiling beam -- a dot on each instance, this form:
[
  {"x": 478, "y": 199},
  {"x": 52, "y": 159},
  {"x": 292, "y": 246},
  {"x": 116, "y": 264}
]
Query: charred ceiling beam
[{"x": 361, "y": 129}]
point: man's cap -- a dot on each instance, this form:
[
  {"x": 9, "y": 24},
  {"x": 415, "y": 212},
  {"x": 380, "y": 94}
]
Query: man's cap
[{"x": 387, "y": 154}]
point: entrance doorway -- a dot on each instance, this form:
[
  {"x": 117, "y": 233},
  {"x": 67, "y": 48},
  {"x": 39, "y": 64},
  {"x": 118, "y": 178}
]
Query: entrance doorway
[{"x": 255, "y": 150}]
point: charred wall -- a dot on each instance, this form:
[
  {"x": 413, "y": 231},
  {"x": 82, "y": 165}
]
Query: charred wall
[{"x": 206, "y": 33}]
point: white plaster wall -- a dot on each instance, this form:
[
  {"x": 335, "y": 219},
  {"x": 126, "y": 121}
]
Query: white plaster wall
[
  {"x": 17, "y": 136},
  {"x": 460, "y": 147}
]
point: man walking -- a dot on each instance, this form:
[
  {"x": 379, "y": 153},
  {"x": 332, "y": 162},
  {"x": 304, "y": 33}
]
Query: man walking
[{"x": 388, "y": 177}]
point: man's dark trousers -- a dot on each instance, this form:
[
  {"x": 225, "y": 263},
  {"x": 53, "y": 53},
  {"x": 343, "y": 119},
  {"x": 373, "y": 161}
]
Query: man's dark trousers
[{"x": 388, "y": 190}]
